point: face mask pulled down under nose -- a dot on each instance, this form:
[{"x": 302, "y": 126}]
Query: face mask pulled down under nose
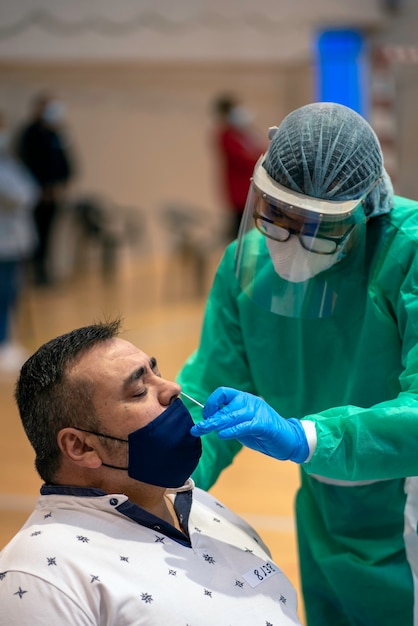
[
  {"x": 295, "y": 264},
  {"x": 163, "y": 452}
]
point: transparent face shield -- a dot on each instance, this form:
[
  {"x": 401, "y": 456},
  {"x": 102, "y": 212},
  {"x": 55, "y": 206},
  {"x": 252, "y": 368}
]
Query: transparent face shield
[{"x": 298, "y": 256}]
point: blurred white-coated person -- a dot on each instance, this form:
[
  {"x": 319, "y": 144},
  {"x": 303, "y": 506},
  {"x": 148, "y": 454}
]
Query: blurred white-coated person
[
  {"x": 119, "y": 535},
  {"x": 314, "y": 309},
  {"x": 18, "y": 195}
]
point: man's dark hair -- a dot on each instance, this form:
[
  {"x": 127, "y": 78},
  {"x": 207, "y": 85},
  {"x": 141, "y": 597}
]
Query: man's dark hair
[{"x": 49, "y": 400}]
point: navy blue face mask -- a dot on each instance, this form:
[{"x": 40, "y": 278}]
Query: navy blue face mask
[{"x": 163, "y": 452}]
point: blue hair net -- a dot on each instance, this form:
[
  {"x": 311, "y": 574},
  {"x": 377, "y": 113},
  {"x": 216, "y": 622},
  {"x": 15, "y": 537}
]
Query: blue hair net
[{"x": 328, "y": 151}]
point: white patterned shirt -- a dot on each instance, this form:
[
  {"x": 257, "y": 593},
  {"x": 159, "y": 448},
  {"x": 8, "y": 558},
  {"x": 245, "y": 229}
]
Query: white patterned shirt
[{"x": 86, "y": 558}]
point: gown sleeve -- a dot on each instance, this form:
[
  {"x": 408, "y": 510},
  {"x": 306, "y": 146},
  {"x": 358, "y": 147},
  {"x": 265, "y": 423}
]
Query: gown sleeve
[{"x": 381, "y": 441}]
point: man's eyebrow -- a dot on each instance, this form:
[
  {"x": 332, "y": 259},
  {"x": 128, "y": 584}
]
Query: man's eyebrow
[{"x": 139, "y": 372}]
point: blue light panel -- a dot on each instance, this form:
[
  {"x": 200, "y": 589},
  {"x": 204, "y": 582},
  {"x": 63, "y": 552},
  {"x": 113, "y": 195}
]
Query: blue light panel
[{"x": 342, "y": 69}]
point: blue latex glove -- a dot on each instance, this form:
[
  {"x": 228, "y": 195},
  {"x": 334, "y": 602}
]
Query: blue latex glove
[{"x": 250, "y": 420}]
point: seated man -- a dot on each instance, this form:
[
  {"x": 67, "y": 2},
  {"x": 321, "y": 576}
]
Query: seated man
[{"x": 119, "y": 534}]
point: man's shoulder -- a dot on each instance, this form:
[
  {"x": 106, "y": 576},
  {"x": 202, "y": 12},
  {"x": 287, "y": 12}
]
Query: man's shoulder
[
  {"x": 209, "y": 502},
  {"x": 30, "y": 128}
]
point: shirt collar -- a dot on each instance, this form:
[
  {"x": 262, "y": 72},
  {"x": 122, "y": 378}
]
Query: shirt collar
[{"x": 182, "y": 504}]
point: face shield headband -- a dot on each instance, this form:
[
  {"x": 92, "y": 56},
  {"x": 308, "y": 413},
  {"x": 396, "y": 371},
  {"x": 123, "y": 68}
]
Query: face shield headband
[{"x": 298, "y": 256}]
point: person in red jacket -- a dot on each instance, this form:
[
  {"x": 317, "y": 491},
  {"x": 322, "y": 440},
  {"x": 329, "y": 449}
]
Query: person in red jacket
[{"x": 238, "y": 145}]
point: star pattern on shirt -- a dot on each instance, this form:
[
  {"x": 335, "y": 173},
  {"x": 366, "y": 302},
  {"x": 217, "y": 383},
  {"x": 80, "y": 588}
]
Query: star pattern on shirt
[
  {"x": 147, "y": 598},
  {"x": 20, "y": 592},
  {"x": 209, "y": 559}
]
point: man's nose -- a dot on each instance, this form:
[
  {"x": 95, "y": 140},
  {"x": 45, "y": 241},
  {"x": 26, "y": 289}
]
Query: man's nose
[{"x": 168, "y": 391}]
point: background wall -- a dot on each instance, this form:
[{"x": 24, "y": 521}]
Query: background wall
[
  {"x": 395, "y": 83},
  {"x": 141, "y": 132},
  {"x": 201, "y": 30},
  {"x": 138, "y": 79}
]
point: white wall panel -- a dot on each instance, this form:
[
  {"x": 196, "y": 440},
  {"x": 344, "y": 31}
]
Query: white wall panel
[{"x": 168, "y": 30}]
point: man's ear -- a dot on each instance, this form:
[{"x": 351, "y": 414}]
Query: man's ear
[{"x": 76, "y": 446}]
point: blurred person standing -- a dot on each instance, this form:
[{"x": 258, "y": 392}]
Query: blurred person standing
[
  {"x": 42, "y": 146},
  {"x": 238, "y": 145},
  {"x": 18, "y": 195}
]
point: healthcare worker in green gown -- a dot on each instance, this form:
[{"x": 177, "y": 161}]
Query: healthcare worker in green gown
[{"x": 314, "y": 308}]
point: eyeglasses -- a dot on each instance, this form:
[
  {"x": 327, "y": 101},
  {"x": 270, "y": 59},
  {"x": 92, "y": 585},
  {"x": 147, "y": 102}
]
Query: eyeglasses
[
  {"x": 312, "y": 241},
  {"x": 319, "y": 244}
]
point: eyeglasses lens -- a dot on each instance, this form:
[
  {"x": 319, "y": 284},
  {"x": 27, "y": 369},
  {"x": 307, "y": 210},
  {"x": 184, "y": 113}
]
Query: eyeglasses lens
[{"x": 316, "y": 244}]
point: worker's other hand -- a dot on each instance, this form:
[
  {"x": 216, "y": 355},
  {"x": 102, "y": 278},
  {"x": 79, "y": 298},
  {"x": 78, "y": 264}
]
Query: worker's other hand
[{"x": 247, "y": 418}]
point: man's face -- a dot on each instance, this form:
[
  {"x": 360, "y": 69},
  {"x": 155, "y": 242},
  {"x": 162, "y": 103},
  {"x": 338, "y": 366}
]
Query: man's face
[{"x": 128, "y": 389}]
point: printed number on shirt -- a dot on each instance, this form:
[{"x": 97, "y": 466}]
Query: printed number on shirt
[{"x": 259, "y": 574}]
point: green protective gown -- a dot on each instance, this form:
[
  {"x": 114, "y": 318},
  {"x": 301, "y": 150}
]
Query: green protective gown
[{"x": 344, "y": 373}]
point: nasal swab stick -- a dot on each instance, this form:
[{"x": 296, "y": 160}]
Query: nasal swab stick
[{"x": 192, "y": 399}]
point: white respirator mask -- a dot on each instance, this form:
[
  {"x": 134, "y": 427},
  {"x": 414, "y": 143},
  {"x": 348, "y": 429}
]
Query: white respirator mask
[
  {"x": 295, "y": 264},
  {"x": 54, "y": 112},
  {"x": 240, "y": 117}
]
